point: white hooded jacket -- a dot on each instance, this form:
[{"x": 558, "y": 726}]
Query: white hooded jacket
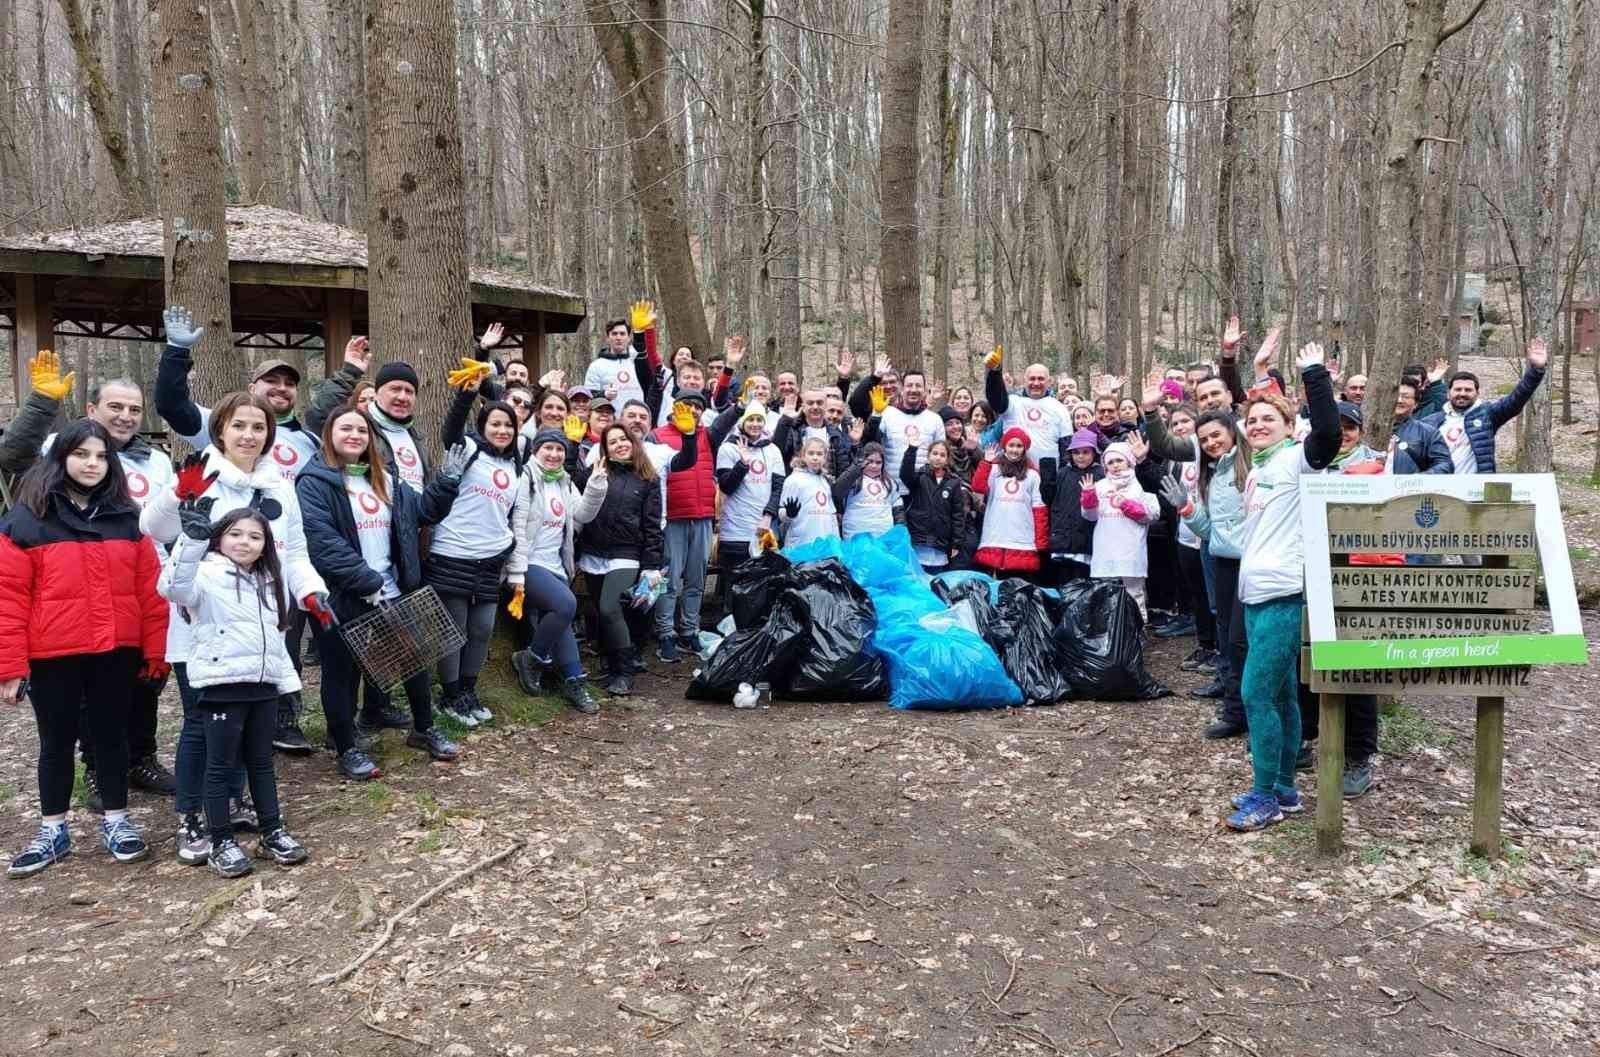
[{"x": 233, "y": 633}]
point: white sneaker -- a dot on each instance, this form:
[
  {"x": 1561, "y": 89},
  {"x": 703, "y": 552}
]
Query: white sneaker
[{"x": 194, "y": 843}]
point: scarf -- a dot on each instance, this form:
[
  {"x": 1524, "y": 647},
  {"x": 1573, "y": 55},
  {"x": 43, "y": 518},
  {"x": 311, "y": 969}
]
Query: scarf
[
  {"x": 553, "y": 475},
  {"x": 384, "y": 420},
  {"x": 1257, "y": 458},
  {"x": 356, "y": 469}
]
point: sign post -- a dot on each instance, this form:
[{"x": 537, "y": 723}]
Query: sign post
[{"x": 1430, "y": 629}]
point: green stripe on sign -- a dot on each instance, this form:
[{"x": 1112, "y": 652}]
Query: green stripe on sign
[{"x": 1450, "y": 653}]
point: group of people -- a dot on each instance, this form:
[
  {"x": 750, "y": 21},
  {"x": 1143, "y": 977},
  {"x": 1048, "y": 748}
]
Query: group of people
[{"x": 118, "y": 568}]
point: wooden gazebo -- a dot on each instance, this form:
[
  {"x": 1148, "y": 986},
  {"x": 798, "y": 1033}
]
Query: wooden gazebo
[{"x": 298, "y": 285}]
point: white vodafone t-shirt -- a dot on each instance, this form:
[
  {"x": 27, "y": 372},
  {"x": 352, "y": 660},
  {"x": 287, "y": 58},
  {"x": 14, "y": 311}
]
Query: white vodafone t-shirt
[
  {"x": 292, "y": 449},
  {"x": 1190, "y": 476},
  {"x": 742, "y": 511},
  {"x": 1273, "y": 564},
  {"x": 604, "y": 373},
  {"x": 1454, "y": 431},
  {"x": 549, "y": 532},
  {"x": 374, "y": 530},
  {"x": 901, "y": 430},
  {"x": 407, "y": 459},
  {"x": 818, "y": 518},
  {"x": 1008, "y": 511},
  {"x": 1044, "y": 419},
  {"x": 479, "y": 524},
  {"x": 869, "y": 508}
]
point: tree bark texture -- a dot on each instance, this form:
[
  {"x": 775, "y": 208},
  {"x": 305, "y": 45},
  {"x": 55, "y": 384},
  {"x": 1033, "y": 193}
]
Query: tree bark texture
[
  {"x": 784, "y": 206},
  {"x": 1111, "y": 101},
  {"x": 900, "y": 266},
  {"x": 257, "y": 109},
  {"x": 106, "y": 109}
]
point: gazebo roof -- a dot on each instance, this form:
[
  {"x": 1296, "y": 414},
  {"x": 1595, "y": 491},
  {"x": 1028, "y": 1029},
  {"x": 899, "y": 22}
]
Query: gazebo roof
[{"x": 267, "y": 247}]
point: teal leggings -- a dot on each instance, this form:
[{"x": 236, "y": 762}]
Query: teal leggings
[{"x": 1270, "y": 691}]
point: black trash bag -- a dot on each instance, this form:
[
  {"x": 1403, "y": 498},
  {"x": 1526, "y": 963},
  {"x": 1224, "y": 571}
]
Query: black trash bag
[
  {"x": 1100, "y": 643},
  {"x": 975, "y": 592},
  {"x": 831, "y": 662},
  {"x": 761, "y": 654},
  {"x": 756, "y": 586},
  {"x": 1028, "y": 618}
]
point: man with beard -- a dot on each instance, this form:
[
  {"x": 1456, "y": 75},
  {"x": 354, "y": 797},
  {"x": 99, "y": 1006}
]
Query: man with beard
[
  {"x": 904, "y": 423},
  {"x": 1469, "y": 425}
]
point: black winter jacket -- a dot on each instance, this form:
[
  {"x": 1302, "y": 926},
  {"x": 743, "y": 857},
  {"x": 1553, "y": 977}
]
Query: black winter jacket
[
  {"x": 335, "y": 546},
  {"x": 629, "y": 522},
  {"x": 790, "y": 432},
  {"x": 935, "y": 509},
  {"x": 1070, "y": 533}
]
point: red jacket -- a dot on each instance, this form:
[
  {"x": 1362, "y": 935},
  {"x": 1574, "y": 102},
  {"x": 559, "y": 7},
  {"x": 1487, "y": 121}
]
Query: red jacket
[
  {"x": 77, "y": 582},
  {"x": 691, "y": 493}
]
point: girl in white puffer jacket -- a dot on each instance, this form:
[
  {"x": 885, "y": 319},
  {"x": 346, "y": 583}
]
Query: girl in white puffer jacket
[{"x": 227, "y": 583}]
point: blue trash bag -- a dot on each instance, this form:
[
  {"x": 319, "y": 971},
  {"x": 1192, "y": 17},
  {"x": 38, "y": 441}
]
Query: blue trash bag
[
  {"x": 886, "y": 560},
  {"x": 815, "y": 551}
]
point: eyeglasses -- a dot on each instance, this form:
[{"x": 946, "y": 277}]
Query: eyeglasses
[{"x": 517, "y": 401}]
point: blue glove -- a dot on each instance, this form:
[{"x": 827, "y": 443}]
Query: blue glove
[{"x": 181, "y": 330}]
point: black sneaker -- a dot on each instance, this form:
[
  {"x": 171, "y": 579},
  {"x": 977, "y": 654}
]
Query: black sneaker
[
  {"x": 194, "y": 841},
  {"x": 530, "y": 672},
  {"x": 576, "y": 693},
  {"x": 667, "y": 651},
  {"x": 1191, "y": 663},
  {"x": 358, "y": 766},
  {"x": 479, "y": 711},
  {"x": 242, "y": 813},
  {"x": 91, "y": 792},
  {"x": 1306, "y": 759},
  {"x": 228, "y": 859},
  {"x": 1213, "y": 689},
  {"x": 1226, "y": 727},
  {"x": 287, "y": 737},
  {"x": 433, "y": 740},
  {"x": 1210, "y": 663},
  {"x": 281, "y": 848},
  {"x": 149, "y": 774},
  {"x": 459, "y": 709},
  {"x": 620, "y": 684},
  {"x": 389, "y": 717}
]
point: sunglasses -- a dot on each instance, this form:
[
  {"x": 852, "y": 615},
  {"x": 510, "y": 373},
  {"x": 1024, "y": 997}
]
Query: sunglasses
[{"x": 518, "y": 401}]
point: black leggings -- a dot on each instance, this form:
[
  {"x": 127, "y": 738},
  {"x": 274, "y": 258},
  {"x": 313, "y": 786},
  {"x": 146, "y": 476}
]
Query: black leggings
[
  {"x": 143, "y": 698},
  {"x": 341, "y": 681},
  {"x": 1194, "y": 581},
  {"x": 100, "y": 684},
  {"x": 1230, "y": 616},
  {"x": 240, "y": 731},
  {"x": 1163, "y": 584},
  {"x": 612, "y": 601}
]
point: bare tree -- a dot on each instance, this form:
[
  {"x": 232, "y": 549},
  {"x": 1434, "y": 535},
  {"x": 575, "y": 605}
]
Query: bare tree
[
  {"x": 900, "y": 265},
  {"x": 107, "y": 110}
]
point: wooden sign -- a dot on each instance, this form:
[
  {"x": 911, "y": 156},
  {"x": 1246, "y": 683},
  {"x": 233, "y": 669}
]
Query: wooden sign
[
  {"x": 1432, "y": 587},
  {"x": 1431, "y": 524},
  {"x": 1425, "y": 682},
  {"x": 1393, "y": 624}
]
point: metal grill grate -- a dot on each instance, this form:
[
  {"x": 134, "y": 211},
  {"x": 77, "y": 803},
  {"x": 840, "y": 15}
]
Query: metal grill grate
[{"x": 401, "y": 638}]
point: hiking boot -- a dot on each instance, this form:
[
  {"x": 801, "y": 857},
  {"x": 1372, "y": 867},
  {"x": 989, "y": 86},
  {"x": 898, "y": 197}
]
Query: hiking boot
[
  {"x": 389, "y": 717},
  {"x": 49, "y": 846},
  {"x": 229, "y": 860},
  {"x": 435, "y": 743},
  {"x": 619, "y": 674},
  {"x": 122, "y": 839},
  {"x": 358, "y": 766},
  {"x": 1256, "y": 811},
  {"x": 636, "y": 663},
  {"x": 281, "y": 848},
  {"x": 242, "y": 813},
  {"x": 667, "y": 651},
  {"x": 1213, "y": 689},
  {"x": 689, "y": 645},
  {"x": 287, "y": 737},
  {"x": 1306, "y": 758},
  {"x": 149, "y": 774},
  {"x": 91, "y": 792},
  {"x": 479, "y": 711},
  {"x": 455, "y": 706},
  {"x": 365, "y": 739},
  {"x": 1288, "y": 803},
  {"x": 1226, "y": 727},
  {"x": 1191, "y": 663},
  {"x": 1176, "y": 628},
  {"x": 194, "y": 843},
  {"x": 530, "y": 672},
  {"x": 1209, "y": 663},
  {"x": 576, "y": 693},
  {"x": 1357, "y": 779}
]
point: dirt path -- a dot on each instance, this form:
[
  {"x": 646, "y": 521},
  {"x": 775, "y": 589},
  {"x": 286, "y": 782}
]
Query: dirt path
[{"x": 836, "y": 879}]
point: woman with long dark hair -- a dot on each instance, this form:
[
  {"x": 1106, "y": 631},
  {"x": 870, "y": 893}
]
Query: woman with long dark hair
[{"x": 80, "y": 618}]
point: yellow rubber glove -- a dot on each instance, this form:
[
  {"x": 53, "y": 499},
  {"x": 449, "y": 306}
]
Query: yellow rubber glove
[
  {"x": 684, "y": 417},
  {"x": 766, "y": 541},
  {"x": 880, "y": 399},
  {"x": 992, "y": 361},
  {"x": 44, "y": 370},
  {"x": 573, "y": 427},
  {"x": 470, "y": 373},
  {"x": 514, "y": 607},
  {"x": 642, "y": 315}
]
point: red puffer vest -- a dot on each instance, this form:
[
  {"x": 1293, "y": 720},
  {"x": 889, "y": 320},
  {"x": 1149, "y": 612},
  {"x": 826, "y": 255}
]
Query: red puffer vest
[
  {"x": 77, "y": 582},
  {"x": 691, "y": 493}
]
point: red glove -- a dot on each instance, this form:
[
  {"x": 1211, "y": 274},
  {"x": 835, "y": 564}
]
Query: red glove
[
  {"x": 192, "y": 480},
  {"x": 1041, "y": 528},
  {"x": 1089, "y": 498},
  {"x": 153, "y": 671},
  {"x": 1134, "y": 509},
  {"x": 651, "y": 353},
  {"x": 317, "y": 605}
]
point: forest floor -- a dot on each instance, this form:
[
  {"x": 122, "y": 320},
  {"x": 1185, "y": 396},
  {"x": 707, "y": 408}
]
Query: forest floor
[{"x": 802, "y": 879}]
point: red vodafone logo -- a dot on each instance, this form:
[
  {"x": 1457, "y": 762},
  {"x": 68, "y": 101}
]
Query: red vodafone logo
[
  {"x": 757, "y": 466},
  {"x": 822, "y": 498},
  {"x": 369, "y": 503},
  {"x": 1451, "y": 436},
  {"x": 285, "y": 454},
  {"x": 1012, "y": 486},
  {"x": 501, "y": 479},
  {"x": 557, "y": 507},
  {"x": 874, "y": 489},
  {"x": 913, "y": 434},
  {"x": 623, "y": 377},
  {"x": 406, "y": 457},
  {"x": 1033, "y": 414},
  {"x": 138, "y": 484}
]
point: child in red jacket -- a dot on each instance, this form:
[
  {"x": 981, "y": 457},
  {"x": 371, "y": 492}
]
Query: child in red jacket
[
  {"x": 81, "y": 619},
  {"x": 1016, "y": 522}
]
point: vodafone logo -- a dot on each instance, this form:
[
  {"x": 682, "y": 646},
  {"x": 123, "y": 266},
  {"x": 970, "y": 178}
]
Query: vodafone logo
[
  {"x": 913, "y": 434},
  {"x": 285, "y": 454},
  {"x": 1012, "y": 486},
  {"x": 822, "y": 498},
  {"x": 757, "y": 466},
  {"x": 623, "y": 377},
  {"x": 1453, "y": 436},
  {"x": 406, "y": 457},
  {"x": 1034, "y": 415},
  {"x": 874, "y": 489},
  {"x": 557, "y": 507},
  {"x": 368, "y": 502},
  {"x": 138, "y": 484},
  {"x": 501, "y": 479}
]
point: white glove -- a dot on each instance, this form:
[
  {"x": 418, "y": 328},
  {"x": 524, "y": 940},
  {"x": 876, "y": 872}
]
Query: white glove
[{"x": 374, "y": 598}]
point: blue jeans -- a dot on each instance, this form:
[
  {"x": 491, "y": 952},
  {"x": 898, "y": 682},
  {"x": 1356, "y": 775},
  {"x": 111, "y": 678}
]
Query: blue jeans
[
  {"x": 189, "y": 766},
  {"x": 550, "y": 609},
  {"x": 688, "y": 546},
  {"x": 1209, "y": 570}
]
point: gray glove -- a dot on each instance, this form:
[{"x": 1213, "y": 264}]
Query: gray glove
[
  {"x": 194, "y": 517},
  {"x": 1174, "y": 493},
  {"x": 455, "y": 462},
  {"x": 181, "y": 330}
]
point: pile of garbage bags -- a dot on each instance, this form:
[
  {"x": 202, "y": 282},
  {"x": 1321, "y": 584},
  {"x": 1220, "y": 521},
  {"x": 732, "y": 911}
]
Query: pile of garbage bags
[{"x": 858, "y": 620}]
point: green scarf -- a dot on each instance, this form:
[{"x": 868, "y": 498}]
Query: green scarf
[
  {"x": 356, "y": 469},
  {"x": 1263, "y": 455},
  {"x": 384, "y": 420},
  {"x": 553, "y": 475},
  {"x": 286, "y": 418}
]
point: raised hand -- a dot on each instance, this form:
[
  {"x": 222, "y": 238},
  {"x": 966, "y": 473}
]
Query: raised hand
[
  {"x": 1107, "y": 385},
  {"x": 684, "y": 417},
  {"x": 1310, "y": 355},
  {"x": 1269, "y": 349},
  {"x": 1173, "y": 492},
  {"x": 455, "y": 462},
  {"x": 357, "y": 353},
  {"x": 747, "y": 454},
  {"x": 992, "y": 453},
  {"x": 642, "y": 315},
  {"x": 1538, "y": 353},
  {"x": 936, "y": 393},
  {"x": 1151, "y": 396},
  {"x": 791, "y": 508},
  {"x": 194, "y": 517},
  {"x": 881, "y": 365},
  {"x": 1140, "y": 446},
  {"x": 574, "y": 428},
  {"x": 791, "y": 405},
  {"x": 994, "y": 359},
  {"x": 858, "y": 429},
  {"x": 492, "y": 336},
  {"x": 1440, "y": 365},
  {"x": 733, "y": 350},
  {"x": 1231, "y": 336},
  {"x": 1335, "y": 372},
  {"x": 1086, "y": 482},
  {"x": 846, "y": 364},
  {"x": 192, "y": 480},
  {"x": 180, "y": 327},
  {"x": 44, "y": 371},
  {"x": 469, "y": 375},
  {"x": 880, "y": 399},
  {"x": 553, "y": 379}
]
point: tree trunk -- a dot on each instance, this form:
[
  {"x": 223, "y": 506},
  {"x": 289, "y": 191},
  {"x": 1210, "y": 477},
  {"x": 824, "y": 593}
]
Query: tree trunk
[
  {"x": 258, "y": 118},
  {"x": 194, "y": 222},
  {"x": 899, "y": 264},
  {"x": 1111, "y": 100},
  {"x": 947, "y": 128},
  {"x": 350, "y": 112},
  {"x": 107, "y": 110},
  {"x": 636, "y": 55},
  {"x": 1131, "y": 236},
  {"x": 785, "y": 204},
  {"x": 419, "y": 295}
]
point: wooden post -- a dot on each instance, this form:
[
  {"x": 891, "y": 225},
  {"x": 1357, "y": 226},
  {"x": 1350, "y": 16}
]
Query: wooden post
[
  {"x": 36, "y": 324},
  {"x": 336, "y": 328},
  {"x": 1330, "y": 774},
  {"x": 534, "y": 343},
  {"x": 1489, "y": 739}
]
